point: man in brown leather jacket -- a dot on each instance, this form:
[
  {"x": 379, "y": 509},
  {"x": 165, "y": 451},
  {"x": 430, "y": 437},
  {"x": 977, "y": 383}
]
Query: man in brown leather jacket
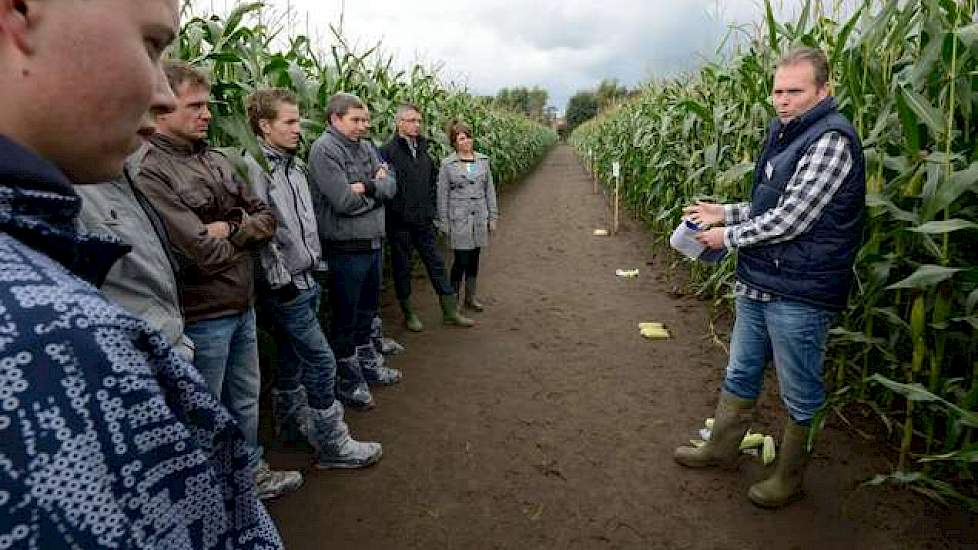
[{"x": 215, "y": 224}]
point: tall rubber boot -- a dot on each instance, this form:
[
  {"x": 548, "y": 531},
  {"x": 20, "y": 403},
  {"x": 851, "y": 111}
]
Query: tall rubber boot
[
  {"x": 471, "y": 301},
  {"x": 786, "y": 482},
  {"x": 411, "y": 320},
  {"x": 330, "y": 436},
  {"x": 450, "y": 314},
  {"x": 731, "y": 422},
  {"x": 372, "y": 366},
  {"x": 351, "y": 388},
  {"x": 287, "y": 409}
]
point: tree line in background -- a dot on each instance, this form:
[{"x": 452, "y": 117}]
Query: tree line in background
[
  {"x": 906, "y": 73},
  {"x": 586, "y": 104}
]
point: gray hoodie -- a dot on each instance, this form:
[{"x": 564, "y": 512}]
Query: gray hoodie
[{"x": 348, "y": 222}]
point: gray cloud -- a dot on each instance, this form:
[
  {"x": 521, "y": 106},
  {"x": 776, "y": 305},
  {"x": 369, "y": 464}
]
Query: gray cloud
[{"x": 563, "y": 46}]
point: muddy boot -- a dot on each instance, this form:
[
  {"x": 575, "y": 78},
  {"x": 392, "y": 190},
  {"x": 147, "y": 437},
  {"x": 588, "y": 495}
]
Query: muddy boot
[
  {"x": 470, "y": 300},
  {"x": 450, "y": 314},
  {"x": 330, "y": 436},
  {"x": 411, "y": 320},
  {"x": 785, "y": 484},
  {"x": 732, "y": 420},
  {"x": 271, "y": 483},
  {"x": 351, "y": 388},
  {"x": 287, "y": 409},
  {"x": 372, "y": 366},
  {"x": 384, "y": 346}
]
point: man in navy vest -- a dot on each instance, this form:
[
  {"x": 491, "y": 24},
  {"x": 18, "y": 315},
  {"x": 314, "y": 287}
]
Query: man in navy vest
[{"x": 797, "y": 241}]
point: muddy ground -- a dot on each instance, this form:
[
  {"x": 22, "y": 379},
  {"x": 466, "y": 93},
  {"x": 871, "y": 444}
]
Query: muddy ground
[{"x": 552, "y": 423}]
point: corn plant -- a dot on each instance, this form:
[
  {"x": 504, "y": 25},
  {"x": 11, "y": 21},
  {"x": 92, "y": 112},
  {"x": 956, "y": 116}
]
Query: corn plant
[
  {"x": 905, "y": 74},
  {"x": 241, "y": 53}
]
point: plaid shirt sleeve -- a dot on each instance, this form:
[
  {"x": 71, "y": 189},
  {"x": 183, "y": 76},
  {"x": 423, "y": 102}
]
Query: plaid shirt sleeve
[
  {"x": 736, "y": 213},
  {"x": 820, "y": 172}
]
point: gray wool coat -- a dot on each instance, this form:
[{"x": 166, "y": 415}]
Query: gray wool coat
[{"x": 466, "y": 201}]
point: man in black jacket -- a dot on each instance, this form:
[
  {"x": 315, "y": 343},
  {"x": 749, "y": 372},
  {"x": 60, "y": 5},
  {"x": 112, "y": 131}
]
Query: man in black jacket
[{"x": 410, "y": 216}]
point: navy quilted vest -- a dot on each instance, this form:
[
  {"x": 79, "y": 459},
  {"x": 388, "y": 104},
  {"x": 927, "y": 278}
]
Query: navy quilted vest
[{"x": 815, "y": 267}]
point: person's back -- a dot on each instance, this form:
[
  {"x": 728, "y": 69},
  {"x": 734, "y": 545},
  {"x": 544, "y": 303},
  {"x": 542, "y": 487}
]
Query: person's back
[{"x": 108, "y": 438}]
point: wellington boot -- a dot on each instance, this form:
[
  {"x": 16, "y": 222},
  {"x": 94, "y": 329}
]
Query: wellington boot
[
  {"x": 411, "y": 320},
  {"x": 785, "y": 484},
  {"x": 732, "y": 420},
  {"x": 450, "y": 314},
  {"x": 471, "y": 301}
]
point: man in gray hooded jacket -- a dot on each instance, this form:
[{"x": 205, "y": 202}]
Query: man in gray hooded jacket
[
  {"x": 349, "y": 186},
  {"x": 303, "y": 397}
]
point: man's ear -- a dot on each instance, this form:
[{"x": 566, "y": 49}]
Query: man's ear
[
  {"x": 16, "y": 18},
  {"x": 265, "y": 126}
]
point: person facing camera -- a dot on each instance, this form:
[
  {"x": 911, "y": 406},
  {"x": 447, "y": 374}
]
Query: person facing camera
[
  {"x": 303, "y": 398},
  {"x": 467, "y": 210}
]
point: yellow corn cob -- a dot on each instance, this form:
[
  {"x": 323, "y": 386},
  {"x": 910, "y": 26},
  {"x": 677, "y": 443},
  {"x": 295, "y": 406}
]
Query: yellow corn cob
[
  {"x": 768, "y": 454},
  {"x": 655, "y": 333},
  {"x": 751, "y": 440},
  {"x": 650, "y": 325}
]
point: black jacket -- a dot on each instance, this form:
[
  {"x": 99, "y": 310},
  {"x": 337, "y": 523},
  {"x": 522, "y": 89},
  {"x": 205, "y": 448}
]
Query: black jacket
[{"x": 416, "y": 201}]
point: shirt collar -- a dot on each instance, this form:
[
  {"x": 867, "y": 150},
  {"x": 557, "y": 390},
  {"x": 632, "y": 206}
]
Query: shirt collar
[{"x": 39, "y": 207}]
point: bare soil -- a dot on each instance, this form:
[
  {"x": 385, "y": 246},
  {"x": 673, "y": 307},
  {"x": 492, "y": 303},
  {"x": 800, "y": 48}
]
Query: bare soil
[{"x": 552, "y": 423}]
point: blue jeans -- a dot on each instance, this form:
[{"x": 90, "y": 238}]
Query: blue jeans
[
  {"x": 354, "y": 296},
  {"x": 404, "y": 240},
  {"x": 793, "y": 334},
  {"x": 227, "y": 358},
  {"x": 304, "y": 355}
]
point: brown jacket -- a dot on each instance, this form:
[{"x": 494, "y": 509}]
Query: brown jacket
[{"x": 192, "y": 186}]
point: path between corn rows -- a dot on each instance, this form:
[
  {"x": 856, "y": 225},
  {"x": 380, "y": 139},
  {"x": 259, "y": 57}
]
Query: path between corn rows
[{"x": 551, "y": 424}]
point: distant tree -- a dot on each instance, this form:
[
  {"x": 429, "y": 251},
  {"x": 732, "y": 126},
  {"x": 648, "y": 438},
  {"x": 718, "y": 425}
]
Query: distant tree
[
  {"x": 528, "y": 101},
  {"x": 610, "y": 92},
  {"x": 581, "y": 107}
]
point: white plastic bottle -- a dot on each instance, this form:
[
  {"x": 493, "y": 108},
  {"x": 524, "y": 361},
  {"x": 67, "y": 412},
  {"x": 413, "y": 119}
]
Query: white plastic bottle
[{"x": 684, "y": 240}]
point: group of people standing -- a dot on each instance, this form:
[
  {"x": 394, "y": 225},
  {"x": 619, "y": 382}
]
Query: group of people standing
[
  {"x": 198, "y": 227},
  {"x": 128, "y": 353},
  {"x": 129, "y": 372}
]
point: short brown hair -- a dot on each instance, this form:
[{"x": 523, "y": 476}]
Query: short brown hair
[
  {"x": 341, "y": 103},
  {"x": 178, "y": 72},
  {"x": 814, "y": 56},
  {"x": 456, "y": 127},
  {"x": 264, "y": 105}
]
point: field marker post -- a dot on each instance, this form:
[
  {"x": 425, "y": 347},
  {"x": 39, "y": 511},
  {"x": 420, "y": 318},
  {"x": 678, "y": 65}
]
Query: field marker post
[
  {"x": 594, "y": 177},
  {"x": 616, "y": 173}
]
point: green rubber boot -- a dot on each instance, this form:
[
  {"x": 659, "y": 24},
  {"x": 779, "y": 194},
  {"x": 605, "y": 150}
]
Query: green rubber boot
[
  {"x": 411, "y": 320},
  {"x": 730, "y": 424},
  {"x": 785, "y": 484},
  {"x": 450, "y": 314}
]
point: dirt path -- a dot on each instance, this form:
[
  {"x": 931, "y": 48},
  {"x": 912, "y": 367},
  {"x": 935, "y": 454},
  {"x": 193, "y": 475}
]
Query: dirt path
[{"x": 552, "y": 424}]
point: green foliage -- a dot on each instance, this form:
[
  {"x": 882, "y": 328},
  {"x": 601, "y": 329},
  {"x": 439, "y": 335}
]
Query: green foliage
[
  {"x": 905, "y": 74},
  {"x": 581, "y": 107},
  {"x": 243, "y": 54},
  {"x": 530, "y": 102}
]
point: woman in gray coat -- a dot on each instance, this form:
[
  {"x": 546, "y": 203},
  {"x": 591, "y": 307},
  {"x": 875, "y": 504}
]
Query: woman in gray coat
[{"x": 467, "y": 210}]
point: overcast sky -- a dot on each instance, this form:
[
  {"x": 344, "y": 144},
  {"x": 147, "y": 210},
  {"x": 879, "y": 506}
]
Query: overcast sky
[{"x": 562, "y": 46}]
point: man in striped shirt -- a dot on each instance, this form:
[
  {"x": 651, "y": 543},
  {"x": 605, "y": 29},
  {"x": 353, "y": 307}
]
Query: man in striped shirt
[{"x": 797, "y": 241}]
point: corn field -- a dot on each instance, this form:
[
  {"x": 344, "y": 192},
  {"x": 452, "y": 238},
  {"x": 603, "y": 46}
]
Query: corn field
[
  {"x": 241, "y": 53},
  {"x": 905, "y": 74}
]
